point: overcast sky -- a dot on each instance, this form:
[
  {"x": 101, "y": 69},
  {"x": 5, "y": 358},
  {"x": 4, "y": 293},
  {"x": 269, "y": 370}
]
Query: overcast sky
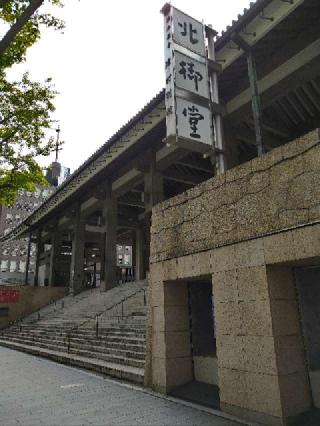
[{"x": 108, "y": 64}]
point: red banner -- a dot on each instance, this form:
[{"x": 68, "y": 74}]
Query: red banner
[{"x": 9, "y": 296}]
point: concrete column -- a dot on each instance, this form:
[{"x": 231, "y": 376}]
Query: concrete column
[
  {"x": 110, "y": 220},
  {"x": 262, "y": 374},
  {"x": 54, "y": 257},
  {"x": 153, "y": 185},
  {"x": 153, "y": 194},
  {"x": 77, "y": 258},
  {"x": 171, "y": 346},
  {"x": 39, "y": 251},
  {"x": 139, "y": 255},
  {"x": 28, "y": 259}
]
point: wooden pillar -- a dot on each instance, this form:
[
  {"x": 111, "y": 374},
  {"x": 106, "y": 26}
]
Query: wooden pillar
[
  {"x": 39, "y": 251},
  {"x": 54, "y": 256},
  {"x": 109, "y": 262},
  {"x": 77, "y": 258},
  {"x": 28, "y": 260}
]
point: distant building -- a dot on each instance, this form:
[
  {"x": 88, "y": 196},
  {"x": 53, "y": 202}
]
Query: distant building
[
  {"x": 13, "y": 254},
  {"x": 57, "y": 174}
]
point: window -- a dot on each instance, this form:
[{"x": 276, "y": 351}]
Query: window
[
  {"x": 4, "y": 265},
  {"x": 22, "y": 266},
  {"x": 5, "y": 251},
  {"x": 13, "y": 266}
]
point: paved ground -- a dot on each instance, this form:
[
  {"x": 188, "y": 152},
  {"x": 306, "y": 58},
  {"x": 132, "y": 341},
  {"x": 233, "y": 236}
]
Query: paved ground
[{"x": 34, "y": 391}]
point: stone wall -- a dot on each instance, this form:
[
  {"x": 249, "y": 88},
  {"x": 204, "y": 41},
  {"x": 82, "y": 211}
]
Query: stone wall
[
  {"x": 277, "y": 191},
  {"x": 245, "y": 230},
  {"x": 30, "y": 300}
]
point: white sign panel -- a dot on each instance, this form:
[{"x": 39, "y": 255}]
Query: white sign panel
[
  {"x": 184, "y": 118},
  {"x": 188, "y": 32},
  {"x": 193, "y": 121},
  {"x": 191, "y": 75}
]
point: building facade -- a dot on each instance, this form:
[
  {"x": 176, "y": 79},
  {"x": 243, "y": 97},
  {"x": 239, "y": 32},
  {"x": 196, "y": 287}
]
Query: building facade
[
  {"x": 232, "y": 259},
  {"x": 14, "y": 254}
]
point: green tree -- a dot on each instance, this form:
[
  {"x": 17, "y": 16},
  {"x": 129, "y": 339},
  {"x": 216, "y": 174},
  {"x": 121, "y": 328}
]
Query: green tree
[{"x": 25, "y": 106}]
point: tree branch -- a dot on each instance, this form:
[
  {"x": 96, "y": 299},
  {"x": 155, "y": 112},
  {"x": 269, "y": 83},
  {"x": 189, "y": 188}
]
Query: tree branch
[
  {"x": 3, "y": 2},
  {"x": 20, "y": 22}
]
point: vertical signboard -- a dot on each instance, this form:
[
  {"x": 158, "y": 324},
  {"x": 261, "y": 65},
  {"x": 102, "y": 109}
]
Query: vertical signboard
[{"x": 188, "y": 113}]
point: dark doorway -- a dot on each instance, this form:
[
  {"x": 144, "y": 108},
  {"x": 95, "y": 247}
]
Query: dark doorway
[
  {"x": 204, "y": 389},
  {"x": 308, "y": 285}
]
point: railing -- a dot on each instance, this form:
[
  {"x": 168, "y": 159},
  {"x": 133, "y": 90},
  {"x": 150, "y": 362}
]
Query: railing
[{"x": 98, "y": 315}]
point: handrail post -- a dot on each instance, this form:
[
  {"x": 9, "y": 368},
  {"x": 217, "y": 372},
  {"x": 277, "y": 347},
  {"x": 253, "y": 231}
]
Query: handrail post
[
  {"x": 68, "y": 336},
  {"x": 122, "y": 309},
  {"x": 144, "y": 297},
  {"x": 97, "y": 325}
]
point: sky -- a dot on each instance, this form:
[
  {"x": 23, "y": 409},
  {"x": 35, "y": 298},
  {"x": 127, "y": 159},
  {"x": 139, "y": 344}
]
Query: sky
[{"x": 108, "y": 64}]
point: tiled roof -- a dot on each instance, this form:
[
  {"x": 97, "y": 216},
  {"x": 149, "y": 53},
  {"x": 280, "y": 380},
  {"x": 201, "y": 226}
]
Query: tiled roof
[{"x": 242, "y": 19}]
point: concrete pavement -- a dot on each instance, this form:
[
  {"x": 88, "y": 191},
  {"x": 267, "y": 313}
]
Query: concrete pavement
[{"x": 35, "y": 391}]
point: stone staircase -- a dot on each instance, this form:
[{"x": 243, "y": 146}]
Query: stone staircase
[{"x": 103, "y": 332}]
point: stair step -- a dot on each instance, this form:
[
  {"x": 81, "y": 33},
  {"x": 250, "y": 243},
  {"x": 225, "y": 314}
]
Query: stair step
[
  {"x": 118, "y": 359},
  {"x": 138, "y": 345},
  {"x": 102, "y": 346},
  {"x": 123, "y": 372}
]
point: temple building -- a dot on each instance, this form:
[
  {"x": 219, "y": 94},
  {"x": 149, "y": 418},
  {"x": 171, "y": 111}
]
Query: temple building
[{"x": 231, "y": 258}]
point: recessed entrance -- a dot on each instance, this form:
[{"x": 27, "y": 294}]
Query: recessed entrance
[
  {"x": 308, "y": 284},
  {"x": 204, "y": 387}
]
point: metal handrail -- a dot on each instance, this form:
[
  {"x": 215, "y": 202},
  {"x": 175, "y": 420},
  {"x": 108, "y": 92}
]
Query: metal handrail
[{"x": 96, "y": 317}]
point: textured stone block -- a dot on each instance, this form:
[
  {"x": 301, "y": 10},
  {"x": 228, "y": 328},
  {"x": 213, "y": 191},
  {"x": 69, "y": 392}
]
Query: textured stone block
[
  {"x": 178, "y": 344},
  {"x": 256, "y": 392},
  {"x": 157, "y": 294},
  {"x": 285, "y": 317},
  {"x": 280, "y": 282},
  {"x": 306, "y": 242},
  {"x": 232, "y": 386},
  {"x": 158, "y": 344},
  {"x": 249, "y": 253},
  {"x": 258, "y": 354},
  {"x": 176, "y": 318},
  {"x": 279, "y": 248},
  {"x": 290, "y": 354},
  {"x": 222, "y": 259},
  {"x": 268, "y": 160},
  {"x": 263, "y": 394},
  {"x": 175, "y": 293},
  {"x": 156, "y": 272},
  {"x": 158, "y": 322},
  {"x": 170, "y": 270},
  {"x": 250, "y": 415},
  {"x": 295, "y": 394},
  {"x": 247, "y": 353},
  {"x": 159, "y": 373},
  {"x": 230, "y": 351},
  {"x": 255, "y": 318},
  {"x": 179, "y": 372},
  {"x": 187, "y": 267},
  {"x": 252, "y": 283},
  {"x": 224, "y": 286},
  {"x": 227, "y": 318}
]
